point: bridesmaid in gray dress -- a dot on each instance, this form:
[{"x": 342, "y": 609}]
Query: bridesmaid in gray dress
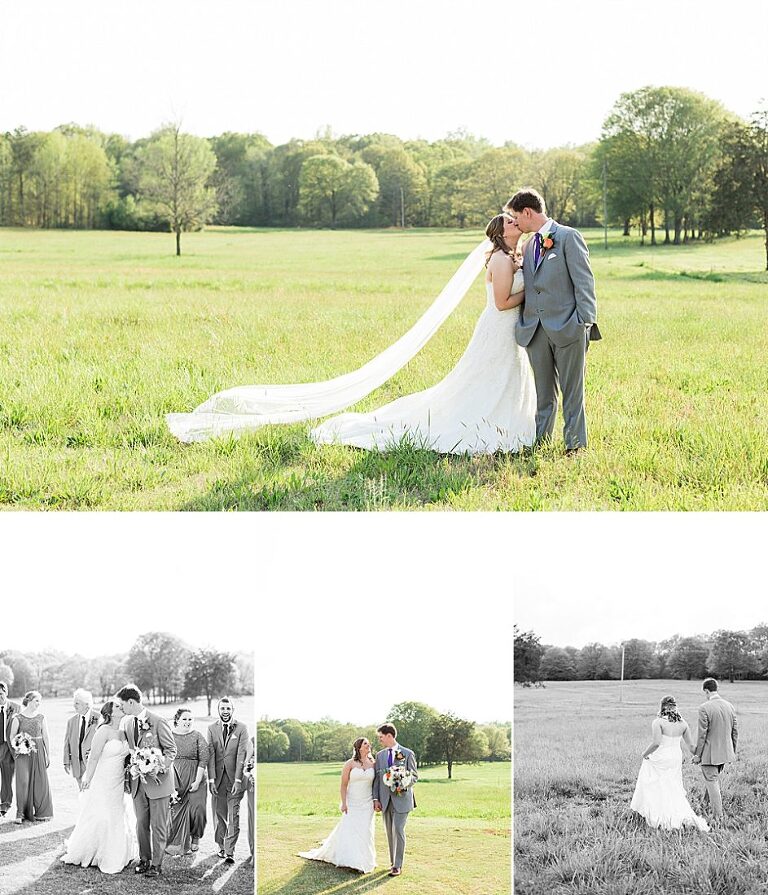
[
  {"x": 189, "y": 768},
  {"x": 33, "y": 792}
]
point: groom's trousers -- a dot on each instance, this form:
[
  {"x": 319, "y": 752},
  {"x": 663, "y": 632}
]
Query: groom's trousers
[
  {"x": 394, "y": 824},
  {"x": 6, "y": 777},
  {"x": 711, "y": 774},
  {"x": 151, "y": 827},
  {"x": 227, "y": 807},
  {"x": 559, "y": 367}
]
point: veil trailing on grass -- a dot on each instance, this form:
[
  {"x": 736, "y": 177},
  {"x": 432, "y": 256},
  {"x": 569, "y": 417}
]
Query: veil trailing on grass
[{"x": 248, "y": 407}]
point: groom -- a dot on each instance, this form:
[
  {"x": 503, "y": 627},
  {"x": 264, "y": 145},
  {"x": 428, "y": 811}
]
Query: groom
[
  {"x": 558, "y": 317},
  {"x": 716, "y": 744},
  {"x": 151, "y": 799},
  {"x": 394, "y": 808}
]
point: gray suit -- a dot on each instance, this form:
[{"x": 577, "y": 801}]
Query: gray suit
[
  {"x": 225, "y": 768},
  {"x": 394, "y": 809},
  {"x": 716, "y": 745},
  {"x": 75, "y": 752},
  {"x": 6, "y": 757},
  {"x": 557, "y": 321}
]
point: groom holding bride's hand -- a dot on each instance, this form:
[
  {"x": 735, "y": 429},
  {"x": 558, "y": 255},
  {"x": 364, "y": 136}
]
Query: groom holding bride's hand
[{"x": 393, "y": 806}]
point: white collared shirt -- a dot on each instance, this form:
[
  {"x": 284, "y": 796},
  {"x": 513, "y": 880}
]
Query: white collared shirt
[{"x": 545, "y": 226}]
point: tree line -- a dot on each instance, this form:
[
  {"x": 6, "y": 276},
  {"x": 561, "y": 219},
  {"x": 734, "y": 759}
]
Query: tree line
[
  {"x": 436, "y": 738},
  {"x": 731, "y": 655},
  {"x": 164, "y": 667},
  {"x": 668, "y": 160}
]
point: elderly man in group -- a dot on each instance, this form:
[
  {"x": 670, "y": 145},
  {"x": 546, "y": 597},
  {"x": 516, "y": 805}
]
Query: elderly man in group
[
  {"x": 228, "y": 747},
  {"x": 80, "y": 730},
  {"x": 7, "y": 710}
]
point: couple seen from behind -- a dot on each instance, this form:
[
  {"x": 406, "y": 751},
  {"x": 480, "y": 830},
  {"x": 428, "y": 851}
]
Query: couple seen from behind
[
  {"x": 659, "y": 795},
  {"x": 381, "y": 784}
]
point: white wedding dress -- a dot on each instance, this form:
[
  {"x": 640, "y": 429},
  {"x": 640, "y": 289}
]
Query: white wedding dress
[
  {"x": 105, "y": 833},
  {"x": 351, "y": 844},
  {"x": 659, "y": 794}
]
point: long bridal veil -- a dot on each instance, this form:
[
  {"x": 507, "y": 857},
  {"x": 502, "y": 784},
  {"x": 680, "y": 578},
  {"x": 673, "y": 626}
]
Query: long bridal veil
[{"x": 248, "y": 407}]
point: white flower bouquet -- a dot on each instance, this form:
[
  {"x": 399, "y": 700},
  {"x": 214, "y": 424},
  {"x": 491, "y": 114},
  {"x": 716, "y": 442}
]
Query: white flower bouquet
[
  {"x": 146, "y": 762},
  {"x": 23, "y": 744},
  {"x": 397, "y": 779}
]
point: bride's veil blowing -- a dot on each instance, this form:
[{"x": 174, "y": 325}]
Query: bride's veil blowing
[{"x": 249, "y": 407}]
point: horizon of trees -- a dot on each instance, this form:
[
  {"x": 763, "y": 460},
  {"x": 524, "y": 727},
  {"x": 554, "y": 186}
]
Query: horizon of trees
[
  {"x": 160, "y": 664},
  {"x": 725, "y": 654},
  {"x": 436, "y": 738},
  {"x": 668, "y": 160}
]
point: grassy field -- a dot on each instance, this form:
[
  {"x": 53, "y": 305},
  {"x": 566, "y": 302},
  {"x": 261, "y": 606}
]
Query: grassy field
[
  {"x": 577, "y": 755},
  {"x": 458, "y": 836},
  {"x": 29, "y": 855},
  {"x": 101, "y": 334}
]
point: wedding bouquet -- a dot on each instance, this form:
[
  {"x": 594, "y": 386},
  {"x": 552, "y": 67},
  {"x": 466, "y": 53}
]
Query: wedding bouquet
[
  {"x": 397, "y": 779},
  {"x": 145, "y": 762},
  {"x": 23, "y": 744}
]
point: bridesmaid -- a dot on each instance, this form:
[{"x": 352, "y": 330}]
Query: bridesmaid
[
  {"x": 33, "y": 792},
  {"x": 189, "y": 769}
]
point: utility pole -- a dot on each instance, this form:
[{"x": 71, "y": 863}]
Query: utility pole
[
  {"x": 621, "y": 685},
  {"x": 402, "y": 208},
  {"x": 605, "y": 203}
]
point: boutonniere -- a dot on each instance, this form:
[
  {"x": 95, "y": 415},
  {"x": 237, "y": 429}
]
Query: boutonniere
[
  {"x": 145, "y": 725},
  {"x": 94, "y": 720},
  {"x": 399, "y": 756},
  {"x": 547, "y": 240}
]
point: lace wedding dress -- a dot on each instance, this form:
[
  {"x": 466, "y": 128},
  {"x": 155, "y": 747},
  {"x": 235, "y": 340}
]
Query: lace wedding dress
[
  {"x": 105, "y": 833},
  {"x": 659, "y": 794},
  {"x": 487, "y": 402},
  {"x": 351, "y": 844}
]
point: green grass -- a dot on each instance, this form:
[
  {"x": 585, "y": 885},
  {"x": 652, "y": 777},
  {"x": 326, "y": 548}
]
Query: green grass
[
  {"x": 29, "y": 854},
  {"x": 101, "y": 334},
  {"x": 458, "y": 836},
  {"x": 577, "y": 755}
]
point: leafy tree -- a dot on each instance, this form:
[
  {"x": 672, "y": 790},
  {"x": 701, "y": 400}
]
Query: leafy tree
[
  {"x": 557, "y": 665},
  {"x": 729, "y": 655},
  {"x": 299, "y": 739},
  {"x": 157, "y": 663},
  {"x": 413, "y": 721},
  {"x": 527, "y": 657},
  {"x": 6, "y": 675},
  {"x": 24, "y": 676},
  {"x": 176, "y": 169},
  {"x": 596, "y": 662},
  {"x": 688, "y": 658},
  {"x": 209, "y": 673},
  {"x": 453, "y": 740},
  {"x": 638, "y": 659},
  {"x": 499, "y": 741},
  {"x": 330, "y": 188},
  {"x": 271, "y": 743}
]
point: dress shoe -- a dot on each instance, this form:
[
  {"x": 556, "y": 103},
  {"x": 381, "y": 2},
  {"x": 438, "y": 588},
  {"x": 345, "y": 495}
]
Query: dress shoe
[
  {"x": 153, "y": 872},
  {"x": 229, "y": 859},
  {"x": 395, "y": 871},
  {"x": 221, "y": 853},
  {"x": 141, "y": 867}
]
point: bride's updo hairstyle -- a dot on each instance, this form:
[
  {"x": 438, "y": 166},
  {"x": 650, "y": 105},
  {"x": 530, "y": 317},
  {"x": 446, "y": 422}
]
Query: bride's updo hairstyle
[
  {"x": 495, "y": 232},
  {"x": 669, "y": 710},
  {"x": 106, "y": 712},
  {"x": 356, "y": 746},
  {"x": 29, "y": 696}
]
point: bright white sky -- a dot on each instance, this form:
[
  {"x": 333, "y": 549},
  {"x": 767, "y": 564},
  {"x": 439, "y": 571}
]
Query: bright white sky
[
  {"x": 612, "y": 577},
  {"x": 415, "y": 69},
  {"x": 345, "y": 618}
]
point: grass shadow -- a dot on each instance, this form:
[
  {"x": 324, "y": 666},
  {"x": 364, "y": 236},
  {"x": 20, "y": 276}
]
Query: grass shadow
[
  {"x": 18, "y": 849},
  {"x": 324, "y": 879}
]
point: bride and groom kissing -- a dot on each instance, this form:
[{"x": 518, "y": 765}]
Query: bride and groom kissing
[
  {"x": 659, "y": 795},
  {"x": 381, "y": 784}
]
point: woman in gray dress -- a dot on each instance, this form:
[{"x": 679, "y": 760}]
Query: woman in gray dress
[
  {"x": 31, "y": 747},
  {"x": 189, "y": 769}
]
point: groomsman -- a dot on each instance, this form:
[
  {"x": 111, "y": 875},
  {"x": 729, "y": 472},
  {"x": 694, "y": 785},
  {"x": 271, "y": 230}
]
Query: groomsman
[
  {"x": 7, "y": 710},
  {"x": 227, "y": 747},
  {"x": 80, "y": 730}
]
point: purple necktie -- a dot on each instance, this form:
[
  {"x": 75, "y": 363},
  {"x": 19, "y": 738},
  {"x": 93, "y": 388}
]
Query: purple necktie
[
  {"x": 537, "y": 251},
  {"x": 389, "y": 759}
]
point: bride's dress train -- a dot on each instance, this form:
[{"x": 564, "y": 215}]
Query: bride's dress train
[
  {"x": 351, "y": 844},
  {"x": 660, "y": 795},
  {"x": 105, "y": 833},
  {"x": 486, "y": 403}
]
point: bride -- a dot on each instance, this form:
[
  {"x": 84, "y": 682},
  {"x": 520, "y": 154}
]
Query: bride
[
  {"x": 486, "y": 403},
  {"x": 351, "y": 843},
  {"x": 105, "y": 833},
  {"x": 659, "y": 794}
]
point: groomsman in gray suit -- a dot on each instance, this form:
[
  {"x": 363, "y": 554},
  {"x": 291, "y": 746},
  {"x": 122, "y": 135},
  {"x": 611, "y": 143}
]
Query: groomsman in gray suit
[
  {"x": 716, "y": 744},
  {"x": 7, "y": 710},
  {"x": 558, "y": 318},
  {"x": 79, "y": 734},
  {"x": 394, "y": 808},
  {"x": 227, "y": 749}
]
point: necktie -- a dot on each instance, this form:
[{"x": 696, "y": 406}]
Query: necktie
[
  {"x": 2, "y": 723},
  {"x": 226, "y": 733},
  {"x": 82, "y": 737},
  {"x": 136, "y": 731},
  {"x": 389, "y": 759},
  {"x": 537, "y": 250}
]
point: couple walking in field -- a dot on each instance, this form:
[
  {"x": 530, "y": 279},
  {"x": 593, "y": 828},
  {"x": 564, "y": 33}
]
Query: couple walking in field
[
  {"x": 659, "y": 794},
  {"x": 528, "y": 346}
]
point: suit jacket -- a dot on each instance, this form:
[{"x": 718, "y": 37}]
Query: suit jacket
[
  {"x": 158, "y": 736},
  {"x": 11, "y": 709},
  {"x": 227, "y": 759},
  {"x": 560, "y": 292},
  {"x": 404, "y": 803},
  {"x": 72, "y": 748},
  {"x": 718, "y": 732}
]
